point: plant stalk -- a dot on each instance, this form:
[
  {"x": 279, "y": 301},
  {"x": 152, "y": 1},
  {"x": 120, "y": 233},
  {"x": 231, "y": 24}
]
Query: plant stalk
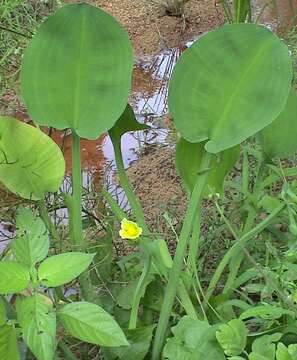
[
  {"x": 77, "y": 236},
  {"x": 175, "y": 271}
]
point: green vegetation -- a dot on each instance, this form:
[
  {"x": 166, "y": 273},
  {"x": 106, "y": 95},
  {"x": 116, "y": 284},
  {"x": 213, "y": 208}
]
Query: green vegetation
[{"x": 234, "y": 107}]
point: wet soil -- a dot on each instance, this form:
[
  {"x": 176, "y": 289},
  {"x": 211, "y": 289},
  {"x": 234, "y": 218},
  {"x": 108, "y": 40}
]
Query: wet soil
[{"x": 152, "y": 31}]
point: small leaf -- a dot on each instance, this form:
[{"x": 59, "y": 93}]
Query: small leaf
[
  {"x": 32, "y": 164},
  {"x": 14, "y": 277},
  {"x": 188, "y": 158},
  {"x": 232, "y": 337},
  {"x": 264, "y": 347},
  {"x": 63, "y": 268},
  {"x": 286, "y": 353},
  {"x": 127, "y": 122},
  {"x": 31, "y": 244},
  {"x": 140, "y": 341},
  {"x": 192, "y": 340},
  {"x": 267, "y": 311},
  {"x": 8, "y": 343},
  {"x": 89, "y": 322},
  {"x": 38, "y": 322}
]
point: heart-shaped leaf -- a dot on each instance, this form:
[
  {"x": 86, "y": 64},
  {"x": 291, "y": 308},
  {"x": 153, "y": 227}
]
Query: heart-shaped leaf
[
  {"x": 31, "y": 243},
  {"x": 279, "y": 138},
  {"x": 31, "y": 163},
  {"x": 38, "y": 322},
  {"x": 76, "y": 71},
  {"x": 89, "y": 322},
  {"x": 229, "y": 85},
  {"x": 188, "y": 157},
  {"x": 14, "y": 277},
  {"x": 63, "y": 268}
]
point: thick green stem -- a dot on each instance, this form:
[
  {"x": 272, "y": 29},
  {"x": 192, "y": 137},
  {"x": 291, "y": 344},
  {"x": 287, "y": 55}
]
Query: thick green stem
[
  {"x": 175, "y": 271},
  {"x": 77, "y": 236},
  {"x": 194, "y": 244},
  {"x": 139, "y": 292},
  {"x": 238, "y": 246},
  {"x": 125, "y": 183}
]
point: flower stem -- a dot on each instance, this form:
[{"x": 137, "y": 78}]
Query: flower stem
[{"x": 175, "y": 271}]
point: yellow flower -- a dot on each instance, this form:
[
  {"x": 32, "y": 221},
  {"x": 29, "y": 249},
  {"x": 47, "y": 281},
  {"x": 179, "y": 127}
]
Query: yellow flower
[{"x": 129, "y": 230}]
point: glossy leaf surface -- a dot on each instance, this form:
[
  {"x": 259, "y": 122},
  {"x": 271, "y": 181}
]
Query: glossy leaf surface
[
  {"x": 31, "y": 163},
  {"x": 76, "y": 71},
  {"x": 89, "y": 322},
  {"x": 229, "y": 85}
]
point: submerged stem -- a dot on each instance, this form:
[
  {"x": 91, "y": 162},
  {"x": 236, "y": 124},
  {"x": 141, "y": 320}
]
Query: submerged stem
[{"x": 175, "y": 271}]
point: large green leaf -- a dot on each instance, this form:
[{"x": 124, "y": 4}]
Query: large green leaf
[
  {"x": 279, "y": 138},
  {"x": 14, "y": 277},
  {"x": 31, "y": 163},
  {"x": 188, "y": 157},
  {"x": 8, "y": 343},
  {"x": 89, "y": 322},
  {"x": 3, "y": 316},
  {"x": 31, "y": 243},
  {"x": 229, "y": 85},
  {"x": 76, "y": 71},
  {"x": 232, "y": 337},
  {"x": 37, "y": 319},
  {"x": 193, "y": 340},
  {"x": 63, "y": 268}
]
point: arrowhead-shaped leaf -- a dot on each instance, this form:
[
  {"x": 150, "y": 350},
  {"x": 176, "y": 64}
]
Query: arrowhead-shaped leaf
[
  {"x": 127, "y": 122},
  {"x": 38, "y": 323},
  {"x": 63, "y": 268},
  {"x": 14, "y": 277},
  {"x": 76, "y": 71},
  {"x": 230, "y": 84},
  {"x": 89, "y": 322},
  {"x": 31, "y": 243},
  {"x": 31, "y": 163}
]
